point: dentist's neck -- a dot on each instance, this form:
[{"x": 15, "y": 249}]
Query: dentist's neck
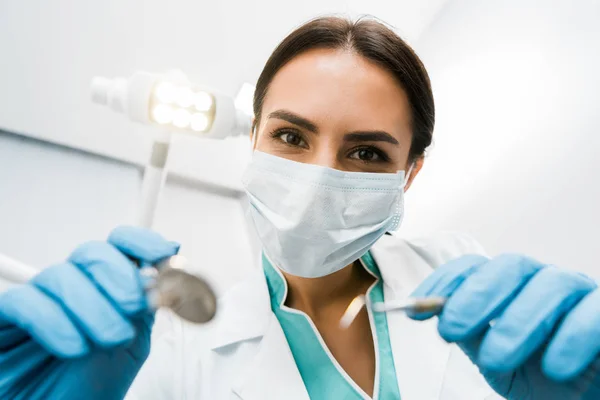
[{"x": 328, "y": 294}]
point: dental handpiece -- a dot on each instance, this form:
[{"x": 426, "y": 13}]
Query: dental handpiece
[
  {"x": 411, "y": 305},
  {"x": 187, "y": 295}
]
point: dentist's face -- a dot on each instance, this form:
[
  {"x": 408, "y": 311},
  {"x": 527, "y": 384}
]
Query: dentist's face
[{"x": 336, "y": 109}]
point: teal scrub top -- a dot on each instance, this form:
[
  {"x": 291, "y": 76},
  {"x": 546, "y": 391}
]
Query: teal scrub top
[{"x": 322, "y": 375}]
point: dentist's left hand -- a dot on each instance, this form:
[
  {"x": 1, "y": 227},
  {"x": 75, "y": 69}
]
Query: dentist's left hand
[
  {"x": 532, "y": 329},
  {"x": 80, "y": 329}
]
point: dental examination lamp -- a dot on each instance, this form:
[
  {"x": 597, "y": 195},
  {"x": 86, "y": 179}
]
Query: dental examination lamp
[
  {"x": 174, "y": 105},
  {"x": 171, "y": 102}
]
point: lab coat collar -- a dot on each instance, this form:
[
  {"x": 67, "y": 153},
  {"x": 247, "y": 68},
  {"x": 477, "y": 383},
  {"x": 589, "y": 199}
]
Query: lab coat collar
[
  {"x": 420, "y": 355},
  {"x": 401, "y": 267},
  {"x": 273, "y": 362},
  {"x": 244, "y": 312}
]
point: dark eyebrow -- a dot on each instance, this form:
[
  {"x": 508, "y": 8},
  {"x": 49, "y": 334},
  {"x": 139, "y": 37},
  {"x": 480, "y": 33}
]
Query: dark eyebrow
[
  {"x": 294, "y": 119},
  {"x": 370, "y": 136}
]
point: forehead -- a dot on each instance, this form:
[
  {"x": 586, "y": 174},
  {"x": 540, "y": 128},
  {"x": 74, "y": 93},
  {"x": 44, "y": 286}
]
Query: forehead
[{"x": 340, "y": 89}]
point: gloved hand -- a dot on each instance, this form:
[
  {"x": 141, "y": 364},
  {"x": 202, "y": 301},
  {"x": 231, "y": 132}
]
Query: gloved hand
[
  {"x": 544, "y": 340},
  {"x": 81, "y": 329}
]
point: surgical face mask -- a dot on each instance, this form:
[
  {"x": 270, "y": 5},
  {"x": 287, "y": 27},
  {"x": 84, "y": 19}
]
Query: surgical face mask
[{"x": 313, "y": 221}]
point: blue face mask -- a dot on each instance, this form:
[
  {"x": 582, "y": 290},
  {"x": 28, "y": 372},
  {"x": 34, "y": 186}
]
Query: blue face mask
[{"x": 313, "y": 221}]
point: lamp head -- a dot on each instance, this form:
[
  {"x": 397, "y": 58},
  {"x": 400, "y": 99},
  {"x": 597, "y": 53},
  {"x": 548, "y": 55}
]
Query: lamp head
[{"x": 171, "y": 100}]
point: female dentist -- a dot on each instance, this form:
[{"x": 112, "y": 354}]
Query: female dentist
[{"x": 344, "y": 113}]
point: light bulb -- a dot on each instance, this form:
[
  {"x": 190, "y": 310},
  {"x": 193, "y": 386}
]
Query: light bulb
[
  {"x": 181, "y": 118},
  {"x": 162, "y": 113},
  {"x": 199, "y": 122},
  {"x": 203, "y": 101},
  {"x": 165, "y": 92},
  {"x": 184, "y": 97}
]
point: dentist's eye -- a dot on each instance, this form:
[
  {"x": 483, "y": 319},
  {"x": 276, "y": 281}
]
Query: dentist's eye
[
  {"x": 290, "y": 138},
  {"x": 369, "y": 154}
]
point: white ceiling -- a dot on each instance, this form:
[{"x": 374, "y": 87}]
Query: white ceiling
[{"x": 51, "y": 50}]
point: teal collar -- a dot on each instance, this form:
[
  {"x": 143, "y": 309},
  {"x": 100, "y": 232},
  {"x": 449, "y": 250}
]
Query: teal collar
[{"x": 277, "y": 284}]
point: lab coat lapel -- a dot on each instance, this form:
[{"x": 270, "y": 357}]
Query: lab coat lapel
[
  {"x": 420, "y": 355},
  {"x": 272, "y": 374}
]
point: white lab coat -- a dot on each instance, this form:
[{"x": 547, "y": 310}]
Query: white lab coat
[{"x": 243, "y": 353}]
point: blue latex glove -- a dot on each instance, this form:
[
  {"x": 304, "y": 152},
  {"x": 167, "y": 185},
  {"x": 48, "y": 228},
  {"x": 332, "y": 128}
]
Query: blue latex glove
[
  {"x": 81, "y": 329},
  {"x": 545, "y": 339}
]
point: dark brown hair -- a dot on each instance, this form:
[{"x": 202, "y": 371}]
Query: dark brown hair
[{"x": 374, "y": 41}]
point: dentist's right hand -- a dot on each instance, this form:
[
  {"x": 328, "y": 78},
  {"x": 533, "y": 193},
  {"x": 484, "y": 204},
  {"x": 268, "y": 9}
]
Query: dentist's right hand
[{"x": 81, "y": 329}]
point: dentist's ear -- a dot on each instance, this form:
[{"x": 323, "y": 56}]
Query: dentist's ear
[
  {"x": 253, "y": 133},
  {"x": 413, "y": 171}
]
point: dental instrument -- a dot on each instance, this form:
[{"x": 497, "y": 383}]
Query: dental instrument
[{"x": 423, "y": 305}]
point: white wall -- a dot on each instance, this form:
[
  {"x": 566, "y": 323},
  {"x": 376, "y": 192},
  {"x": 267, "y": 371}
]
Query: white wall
[
  {"x": 52, "y": 199},
  {"x": 517, "y": 138}
]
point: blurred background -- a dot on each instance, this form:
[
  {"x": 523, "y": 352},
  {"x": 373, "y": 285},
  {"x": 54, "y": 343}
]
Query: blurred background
[{"x": 516, "y": 142}]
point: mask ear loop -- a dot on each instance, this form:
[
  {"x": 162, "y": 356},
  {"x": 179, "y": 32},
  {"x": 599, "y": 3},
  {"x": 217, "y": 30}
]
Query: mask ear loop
[
  {"x": 253, "y": 139},
  {"x": 406, "y": 179},
  {"x": 407, "y": 175}
]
